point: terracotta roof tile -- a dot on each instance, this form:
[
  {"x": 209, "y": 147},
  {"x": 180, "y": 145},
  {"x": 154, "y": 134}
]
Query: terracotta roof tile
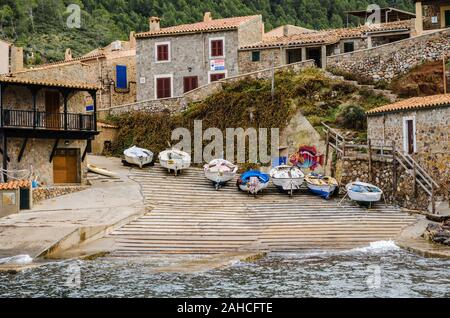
[
  {"x": 14, "y": 185},
  {"x": 330, "y": 36},
  {"x": 213, "y": 25},
  {"x": 414, "y": 103},
  {"x": 26, "y": 81}
]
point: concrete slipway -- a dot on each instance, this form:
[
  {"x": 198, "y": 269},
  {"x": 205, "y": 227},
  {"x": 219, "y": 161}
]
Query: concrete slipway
[{"x": 146, "y": 213}]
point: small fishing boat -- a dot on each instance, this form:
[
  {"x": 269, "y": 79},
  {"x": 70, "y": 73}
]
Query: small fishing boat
[
  {"x": 320, "y": 185},
  {"x": 174, "y": 160},
  {"x": 101, "y": 171},
  {"x": 220, "y": 171},
  {"x": 364, "y": 193},
  {"x": 253, "y": 181},
  {"x": 287, "y": 178},
  {"x": 138, "y": 156}
]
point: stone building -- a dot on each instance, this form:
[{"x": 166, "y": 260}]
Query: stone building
[
  {"x": 291, "y": 47},
  {"x": 432, "y": 15},
  {"x": 174, "y": 60},
  {"x": 11, "y": 58},
  {"x": 420, "y": 127},
  {"x": 112, "y": 68},
  {"x": 45, "y": 130}
]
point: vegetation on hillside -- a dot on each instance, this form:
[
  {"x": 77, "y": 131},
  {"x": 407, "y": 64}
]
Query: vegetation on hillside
[
  {"x": 40, "y": 25},
  {"x": 249, "y": 103}
]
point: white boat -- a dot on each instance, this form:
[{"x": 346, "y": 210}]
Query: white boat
[
  {"x": 364, "y": 193},
  {"x": 138, "y": 156},
  {"x": 220, "y": 171},
  {"x": 320, "y": 185},
  {"x": 174, "y": 160},
  {"x": 287, "y": 178}
]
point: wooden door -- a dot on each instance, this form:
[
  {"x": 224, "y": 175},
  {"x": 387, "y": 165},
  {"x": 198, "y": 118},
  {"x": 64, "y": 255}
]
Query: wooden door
[
  {"x": 52, "y": 112},
  {"x": 66, "y": 166},
  {"x": 410, "y": 136}
]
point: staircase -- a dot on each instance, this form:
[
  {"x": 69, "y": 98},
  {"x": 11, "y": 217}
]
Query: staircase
[{"x": 385, "y": 149}]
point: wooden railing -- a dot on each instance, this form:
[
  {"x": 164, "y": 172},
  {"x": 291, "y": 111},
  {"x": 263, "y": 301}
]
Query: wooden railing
[
  {"x": 385, "y": 149},
  {"x": 12, "y": 118}
]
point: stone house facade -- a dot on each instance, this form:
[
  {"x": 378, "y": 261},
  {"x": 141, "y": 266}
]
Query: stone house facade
[
  {"x": 174, "y": 60},
  {"x": 45, "y": 130},
  {"x": 11, "y": 58},
  {"x": 112, "y": 68},
  {"x": 432, "y": 15},
  {"x": 419, "y": 127}
]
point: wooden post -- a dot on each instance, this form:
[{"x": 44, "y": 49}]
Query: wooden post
[
  {"x": 414, "y": 180},
  {"x": 5, "y": 157},
  {"x": 65, "y": 94},
  {"x": 433, "y": 203},
  {"x": 444, "y": 58},
  {"x": 2, "y": 89},
  {"x": 343, "y": 147},
  {"x": 394, "y": 172},
  {"x": 34, "y": 92},
  {"x": 327, "y": 150},
  {"x": 369, "y": 146}
]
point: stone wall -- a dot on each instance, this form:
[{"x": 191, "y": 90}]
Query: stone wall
[
  {"x": 46, "y": 193},
  {"x": 432, "y": 139},
  {"x": 179, "y": 104},
  {"x": 267, "y": 57},
  {"x": 390, "y": 60},
  {"x": 431, "y": 9},
  {"x": 356, "y": 168}
]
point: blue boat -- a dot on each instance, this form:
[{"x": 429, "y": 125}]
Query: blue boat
[{"x": 253, "y": 181}]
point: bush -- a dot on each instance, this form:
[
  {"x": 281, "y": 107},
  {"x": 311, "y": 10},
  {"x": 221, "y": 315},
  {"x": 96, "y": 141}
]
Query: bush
[{"x": 351, "y": 117}]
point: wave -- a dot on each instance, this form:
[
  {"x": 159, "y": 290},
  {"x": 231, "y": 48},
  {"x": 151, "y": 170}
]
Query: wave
[
  {"x": 18, "y": 259},
  {"x": 377, "y": 247}
]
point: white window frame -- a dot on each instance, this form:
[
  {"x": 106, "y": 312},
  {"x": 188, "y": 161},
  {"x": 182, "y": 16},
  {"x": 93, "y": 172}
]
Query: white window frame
[
  {"x": 405, "y": 133},
  {"x": 156, "y": 87},
  {"x": 210, "y": 48},
  {"x": 216, "y": 72},
  {"x": 169, "y": 48}
]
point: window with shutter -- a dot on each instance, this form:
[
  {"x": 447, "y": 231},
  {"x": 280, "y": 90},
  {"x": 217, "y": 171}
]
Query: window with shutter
[
  {"x": 217, "y": 77},
  {"x": 163, "y": 87},
  {"x": 217, "y": 48},
  {"x": 190, "y": 83},
  {"x": 162, "y": 52}
]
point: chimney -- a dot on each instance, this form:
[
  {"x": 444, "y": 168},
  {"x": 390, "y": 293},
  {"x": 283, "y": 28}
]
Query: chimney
[
  {"x": 132, "y": 40},
  {"x": 68, "y": 55},
  {"x": 207, "y": 17},
  {"x": 16, "y": 59},
  {"x": 154, "y": 23}
]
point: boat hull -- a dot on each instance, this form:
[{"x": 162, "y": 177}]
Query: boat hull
[
  {"x": 323, "y": 191},
  {"x": 174, "y": 160},
  {"x": 364, "y": 196},
  {"x": 139, "y": 161},
  {"x": 219, "y": 177},
  {"x": 138, "y": 156},
  {"x": 288, "y": 184},
  {"x": 253, "y": 190}
]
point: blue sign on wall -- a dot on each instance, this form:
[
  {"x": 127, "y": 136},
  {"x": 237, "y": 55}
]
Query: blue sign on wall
[{"x": 89, "y": 108}]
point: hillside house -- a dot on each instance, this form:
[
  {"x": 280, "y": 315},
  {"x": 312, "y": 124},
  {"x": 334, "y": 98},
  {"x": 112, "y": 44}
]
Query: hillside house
[
  {"x": 317, "y": 45},
  {"x": 432, "y": 15},
  {"x": 112, "y": 68},
  {"x": 174, "y": 60},
  {"x": 420, "y": 127},
  {"x": 11, "y": 58},
  {"x": 45, "y": 129}
]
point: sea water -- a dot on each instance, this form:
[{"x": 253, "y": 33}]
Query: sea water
[{"x": 379, "y": 270}]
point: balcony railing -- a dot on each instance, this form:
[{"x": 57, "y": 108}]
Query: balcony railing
[{"x": 42, "y": 120}]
